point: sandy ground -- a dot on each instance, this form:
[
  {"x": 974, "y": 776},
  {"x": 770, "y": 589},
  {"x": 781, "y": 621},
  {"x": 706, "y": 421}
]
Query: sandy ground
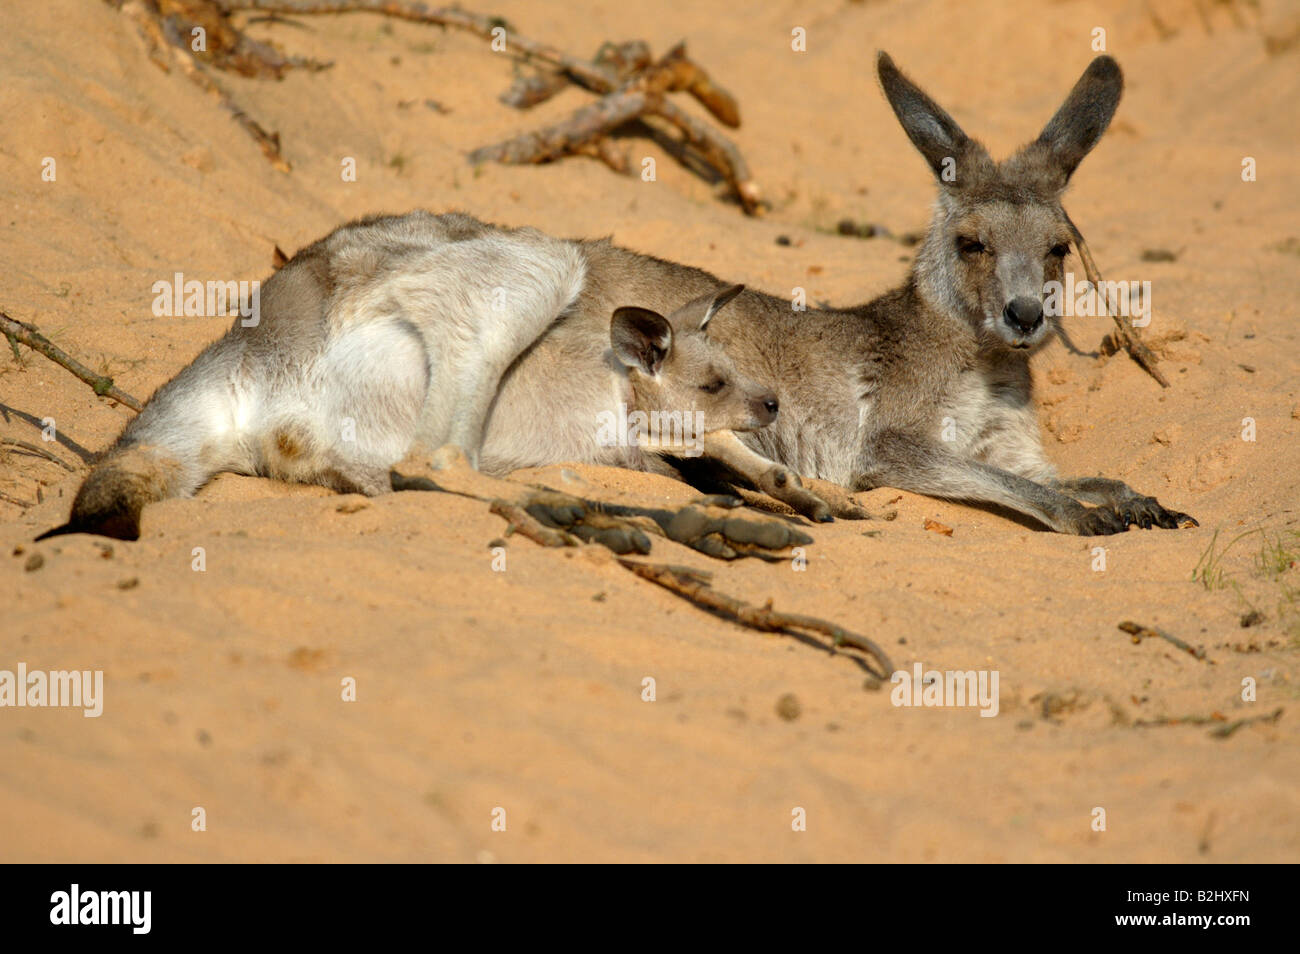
[{"x": 522, "y": 690}]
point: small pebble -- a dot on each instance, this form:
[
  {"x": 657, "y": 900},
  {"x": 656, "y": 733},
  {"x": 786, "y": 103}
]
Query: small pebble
[{"x": 788, "y": 708}]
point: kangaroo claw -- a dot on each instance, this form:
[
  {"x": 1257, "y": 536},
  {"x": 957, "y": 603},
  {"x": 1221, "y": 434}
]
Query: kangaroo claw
[{"x": 1146, "y": 512}]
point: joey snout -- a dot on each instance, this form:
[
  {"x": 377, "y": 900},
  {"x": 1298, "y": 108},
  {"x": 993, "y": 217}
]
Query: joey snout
[{"x": 763, "y": 408}]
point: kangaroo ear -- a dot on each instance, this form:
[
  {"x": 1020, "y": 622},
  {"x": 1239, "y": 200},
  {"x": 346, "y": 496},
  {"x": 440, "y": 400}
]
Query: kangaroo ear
[
  {"x": 1084, "y": 116},
  {"x": 720, "y": 299},
  {"x": 933, "y": 132},
  {"x": 641, "y": 338}
]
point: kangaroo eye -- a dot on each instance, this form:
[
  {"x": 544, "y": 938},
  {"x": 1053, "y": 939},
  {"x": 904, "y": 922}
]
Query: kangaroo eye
[
  {"x": 970, "y": 246},
  {"x": 1062, "y": 250},
  {"x": 713, "y": 387}
]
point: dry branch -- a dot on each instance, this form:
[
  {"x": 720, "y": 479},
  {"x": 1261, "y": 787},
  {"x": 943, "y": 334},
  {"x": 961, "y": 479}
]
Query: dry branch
[
  {"x": 582, "y": 129},
  {"x": 30, "y": 336},
  {"x": 694, "y": 587},
  {"x": 1224, "y": 727},
  {"x": 482, "y": 26},
  {"x": 151, "y": 25},
  {"x": 631, "y": 84},
  {"x": 721, "y": 153},
  {"x": 643, "y": 93},
  {"x": 1125, "y": 333},
  {"x": 1140, "y": 632}
]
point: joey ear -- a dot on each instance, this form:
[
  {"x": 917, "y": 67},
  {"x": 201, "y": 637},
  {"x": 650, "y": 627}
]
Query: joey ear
[
  {"x": 1084, "y": 116},
  {"x": 934, "y": 133},
  {"x": 720, "y": 299},
  {"x": 641, "y": 338}
]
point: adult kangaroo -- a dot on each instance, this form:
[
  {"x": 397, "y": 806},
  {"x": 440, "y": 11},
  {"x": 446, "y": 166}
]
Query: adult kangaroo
[
  {"x": 927, "y": 388},
  {"x": 411, "y": 332}
]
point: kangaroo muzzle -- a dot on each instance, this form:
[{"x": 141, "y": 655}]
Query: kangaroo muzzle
[
  {"x": 1023, "y": 316},
  {"x": 764, "y": 408}
]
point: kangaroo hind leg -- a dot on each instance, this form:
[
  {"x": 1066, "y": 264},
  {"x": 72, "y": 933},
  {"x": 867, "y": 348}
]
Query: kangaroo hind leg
[
  {"x": 356, "y": 416},
  {"x": 480, "y": 304}
]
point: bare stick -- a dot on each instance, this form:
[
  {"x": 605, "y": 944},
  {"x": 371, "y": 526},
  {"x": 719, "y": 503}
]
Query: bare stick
[
  {"x": 38, "y": 451},
  {"x": 1126, "y": 335},
  {"x": 28, "y": 335},
  {"x": 15, "y": 501},
  {"x": 690, "y": 76},
  {"x": 588, "y": 75},
  {"x": 159, "y": 48},
  {"x": 720, "y": 151},
  {"x": 605, "y": 150},
  {"x": 528, "y": 91},
  {"x": 578, "y": 131},
  {"x": 616, "y": 61},
  {"x": 1140, "y": 632},
  {"x": 1222, "y": 730},
  {"x": 695, "y": 588}
]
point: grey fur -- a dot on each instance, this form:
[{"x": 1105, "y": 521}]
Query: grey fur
[
  {"x": 396, "y": 324},
  {"x": 395, "y": 334}
]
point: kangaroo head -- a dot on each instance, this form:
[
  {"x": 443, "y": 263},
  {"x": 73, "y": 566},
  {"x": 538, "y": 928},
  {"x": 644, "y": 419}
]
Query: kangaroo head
[
  {"x": 674, "y": 367},
  {"x": 999, "y": 232}
]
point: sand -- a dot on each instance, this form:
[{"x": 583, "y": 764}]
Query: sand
[{"x": 518, "y": 695}]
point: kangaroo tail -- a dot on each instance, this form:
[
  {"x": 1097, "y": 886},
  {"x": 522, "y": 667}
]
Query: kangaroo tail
[
  {"x": 185, "y": 434},
  {"x": 118, "y": 487}
]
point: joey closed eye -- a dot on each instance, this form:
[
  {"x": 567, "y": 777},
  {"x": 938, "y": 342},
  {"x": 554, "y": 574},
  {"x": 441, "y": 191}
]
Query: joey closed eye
[
  {"x": 969, "y": 246},
  {"x": 714, "y": 386}
]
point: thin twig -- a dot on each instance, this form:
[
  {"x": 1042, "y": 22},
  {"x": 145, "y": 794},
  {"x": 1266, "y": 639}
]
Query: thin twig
[
  {"x": 720, "y": 151},
  {"x": 30, "y": 336},
  {"x": 1223, "y": 726},
  {"x": 693, "y": 587},
  {"x": 157, "y": 43},
  {"x": 1140, "y": 632},
  {"x": 15, "y": 501},
  {"x": 615, "y": 61},
  {"x": 482, "y": 26},
  {"x": 37, "y": 450},
  {"x": 1125, "y": 333}
]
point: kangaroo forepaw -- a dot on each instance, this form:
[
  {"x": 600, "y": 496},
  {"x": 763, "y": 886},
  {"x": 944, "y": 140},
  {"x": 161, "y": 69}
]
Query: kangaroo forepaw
[
  {"x": 727, "y": 537},
  {"x": 839, "y": 499},
  {"x": 557, "y": 519},
  {"x": 785, "y": 486}
]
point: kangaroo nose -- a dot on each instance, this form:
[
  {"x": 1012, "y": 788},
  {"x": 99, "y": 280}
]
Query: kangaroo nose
[
  {"x": 1023, "y": 315},
  {"x": 764, "y": 408}
]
